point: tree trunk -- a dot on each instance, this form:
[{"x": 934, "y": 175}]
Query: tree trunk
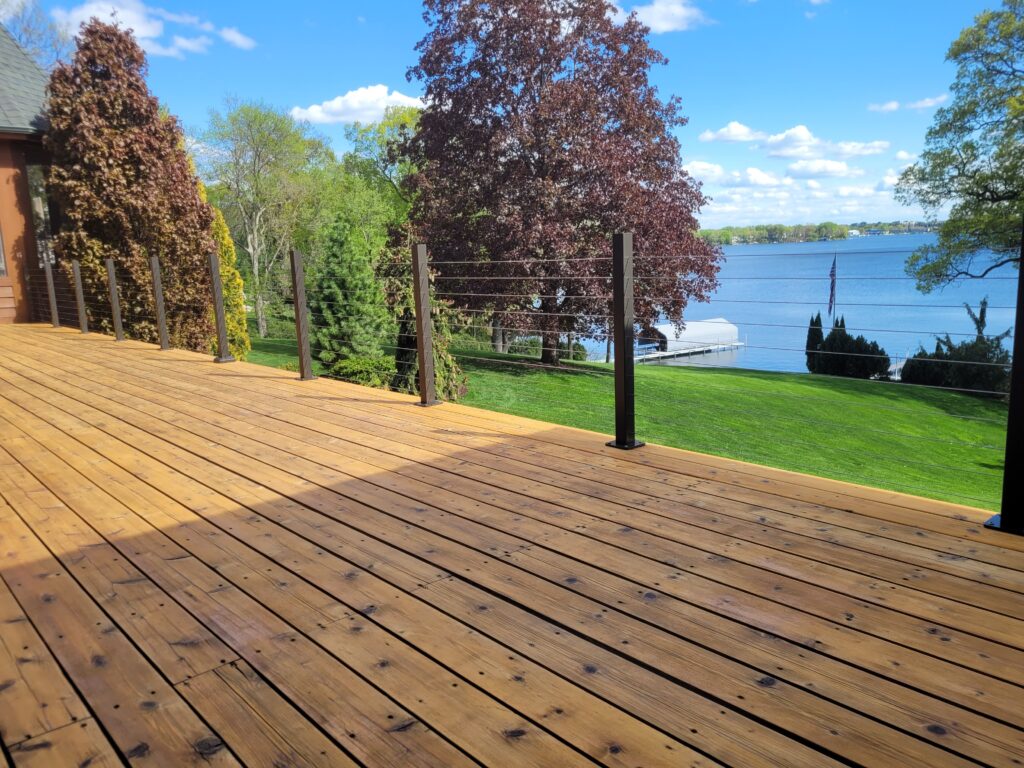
[
  {"x": 497, "y": 335},
  {"x": 550, "y": 335},
  {"x": 261, "y": 315}
]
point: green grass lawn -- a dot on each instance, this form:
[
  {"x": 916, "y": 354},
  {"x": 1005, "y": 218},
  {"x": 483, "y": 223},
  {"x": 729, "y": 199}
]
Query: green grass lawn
[{"x": 934, "y": 443}]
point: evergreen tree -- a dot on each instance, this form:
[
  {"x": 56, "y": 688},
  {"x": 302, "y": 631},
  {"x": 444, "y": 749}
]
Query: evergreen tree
[
  {"x": 231, "y": 283},
  {"x": 815, "y": 336},
  {"x": 841, "y": 354},
  {"x": 348, "y": 314}
]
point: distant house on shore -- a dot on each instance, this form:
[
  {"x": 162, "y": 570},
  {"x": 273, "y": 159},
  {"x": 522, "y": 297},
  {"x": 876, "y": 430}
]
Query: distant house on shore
[{"x": 24, "y": 207}]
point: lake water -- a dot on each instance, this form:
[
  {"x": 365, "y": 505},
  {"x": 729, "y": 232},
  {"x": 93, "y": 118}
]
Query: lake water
[{"x": 771, "y": 291}]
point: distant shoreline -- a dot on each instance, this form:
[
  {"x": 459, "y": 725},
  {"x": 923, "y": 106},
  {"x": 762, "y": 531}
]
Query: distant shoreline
[{"x": 771, "y": 234}]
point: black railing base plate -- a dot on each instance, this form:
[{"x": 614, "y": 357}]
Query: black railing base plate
[
  {"x": 995, "y": 522},
  {"x": 626, "y": 446}
]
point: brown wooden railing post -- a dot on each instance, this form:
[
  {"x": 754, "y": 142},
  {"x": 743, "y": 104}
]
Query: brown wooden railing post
[
  {"x": 301, "y": 317},
  {"x": 623, "y": 322},
  {"x": 83, "y": 317},
  {"x": 158, "y": 303},
  {"x": 1011, "y": 512},
  {"x": 115, "y": 301},
  {"x": 51, "y": 293},
  {"x": 223, "y": 350},
  {"x": 424, "y": 326}
]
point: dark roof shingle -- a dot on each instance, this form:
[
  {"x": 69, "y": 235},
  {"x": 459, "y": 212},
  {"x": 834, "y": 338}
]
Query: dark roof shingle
[{"x": 22, "y": 89}]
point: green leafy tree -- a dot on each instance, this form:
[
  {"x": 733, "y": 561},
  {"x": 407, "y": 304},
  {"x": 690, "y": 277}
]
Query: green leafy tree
[
  {"x": 126, "y": 188},
  {"x": 265, "y": 165},
  {"x": 348, "y": 314},
  {"x": 376, "y": 156},
  {"x": 815, "y": 337},
  {"x": 974, "y": 156}
]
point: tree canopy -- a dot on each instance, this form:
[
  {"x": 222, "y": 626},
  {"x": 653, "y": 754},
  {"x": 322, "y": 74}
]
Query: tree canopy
[
  {"x": 541, "y": 137},
  {"x": 263, "y": 163},
  {"x": 974, "y": 156},
  {"x": 126, "y": 188},
  {"x": 36, "y": 32}
]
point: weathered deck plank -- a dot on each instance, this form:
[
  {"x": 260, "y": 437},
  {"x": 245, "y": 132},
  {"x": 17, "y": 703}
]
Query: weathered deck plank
[{"x": 524, "y": 595}]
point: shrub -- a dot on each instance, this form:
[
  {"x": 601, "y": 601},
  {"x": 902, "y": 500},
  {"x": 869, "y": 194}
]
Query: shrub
[
  {"x": 950, "y": 365},
  {"x": 368, "y": 370}
]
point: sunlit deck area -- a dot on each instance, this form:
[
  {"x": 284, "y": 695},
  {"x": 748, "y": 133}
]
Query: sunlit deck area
[{"x": 220, "y": 564}]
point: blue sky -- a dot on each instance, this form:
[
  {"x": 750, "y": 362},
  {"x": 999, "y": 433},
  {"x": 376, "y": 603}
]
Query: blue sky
[{"x": 800, "y": 110}]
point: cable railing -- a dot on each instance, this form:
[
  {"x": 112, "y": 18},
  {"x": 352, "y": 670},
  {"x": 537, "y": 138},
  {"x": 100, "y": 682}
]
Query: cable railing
[{"x": 596, "y": 350}]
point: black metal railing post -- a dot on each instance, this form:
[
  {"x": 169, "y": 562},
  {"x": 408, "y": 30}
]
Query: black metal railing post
[
  {"x": 223, "y": 350},
  {"x": 51, "y": 293},
  {"x": 623, "y": 322},
  {"x": 115, "y": 301},
  {"x": 424, "y": 326},
  {"x": 83, "y": 317},
  {"x": 301, "y": 317},
  {"x": 158, "y": 303},
  {"x": 1011, "y": 511}
]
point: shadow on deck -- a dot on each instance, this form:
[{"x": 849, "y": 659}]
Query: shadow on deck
[{"x": 220, "y": 564}]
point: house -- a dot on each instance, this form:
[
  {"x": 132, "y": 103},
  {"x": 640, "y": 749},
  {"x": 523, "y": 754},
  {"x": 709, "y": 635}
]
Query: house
[{"x": 24, "y": 208}]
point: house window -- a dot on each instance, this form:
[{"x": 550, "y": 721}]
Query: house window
[{"x": 40, "y": 213}]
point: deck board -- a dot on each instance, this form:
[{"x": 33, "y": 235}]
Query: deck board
[{"x": 394, "y": 585}]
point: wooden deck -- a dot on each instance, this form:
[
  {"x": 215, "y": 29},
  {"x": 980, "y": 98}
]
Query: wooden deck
[{"x": 219, "y": 564}]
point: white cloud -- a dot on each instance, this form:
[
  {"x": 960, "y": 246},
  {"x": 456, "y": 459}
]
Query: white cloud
[
  {"x": 888, "y": 181},
  {"x": 905, "y": 156},
  {"x": 758, "y": 178},
  {"x": 233, "y": 37},
  {"x": 149, "y": 24},
  {"x": 192, "y": 44},
  {"x": 665, "y": 15},
  {"x": 886, "y": 106},
  {"x": 363, "y": 105},
  {"x": 704, "y": 171},
  {"x": 670, "y": 16},
  {"x": 734, "y": 131},
  {"x": 934, "y": 101},
  {"x": 832, "y": 168},
  {"x": 813, "y": 184},
  {"x": 851, "y": 191},
  {"x": 860, "y": 148},
  {"x": 799, "y": 142}
]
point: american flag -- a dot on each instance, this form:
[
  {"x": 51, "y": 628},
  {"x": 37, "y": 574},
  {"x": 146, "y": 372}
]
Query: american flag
[{"x": 832, "y": 287}]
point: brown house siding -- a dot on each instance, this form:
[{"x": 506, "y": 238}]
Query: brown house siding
[
  {"x": 16, "y": 228},
  {"x": 23, "y": 294}
]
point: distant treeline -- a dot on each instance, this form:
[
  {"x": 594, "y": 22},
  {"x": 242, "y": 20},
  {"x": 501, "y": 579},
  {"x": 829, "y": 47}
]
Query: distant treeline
[
  {"x": 806, "y": 233},
  {"x": 776, "y": 233}
]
